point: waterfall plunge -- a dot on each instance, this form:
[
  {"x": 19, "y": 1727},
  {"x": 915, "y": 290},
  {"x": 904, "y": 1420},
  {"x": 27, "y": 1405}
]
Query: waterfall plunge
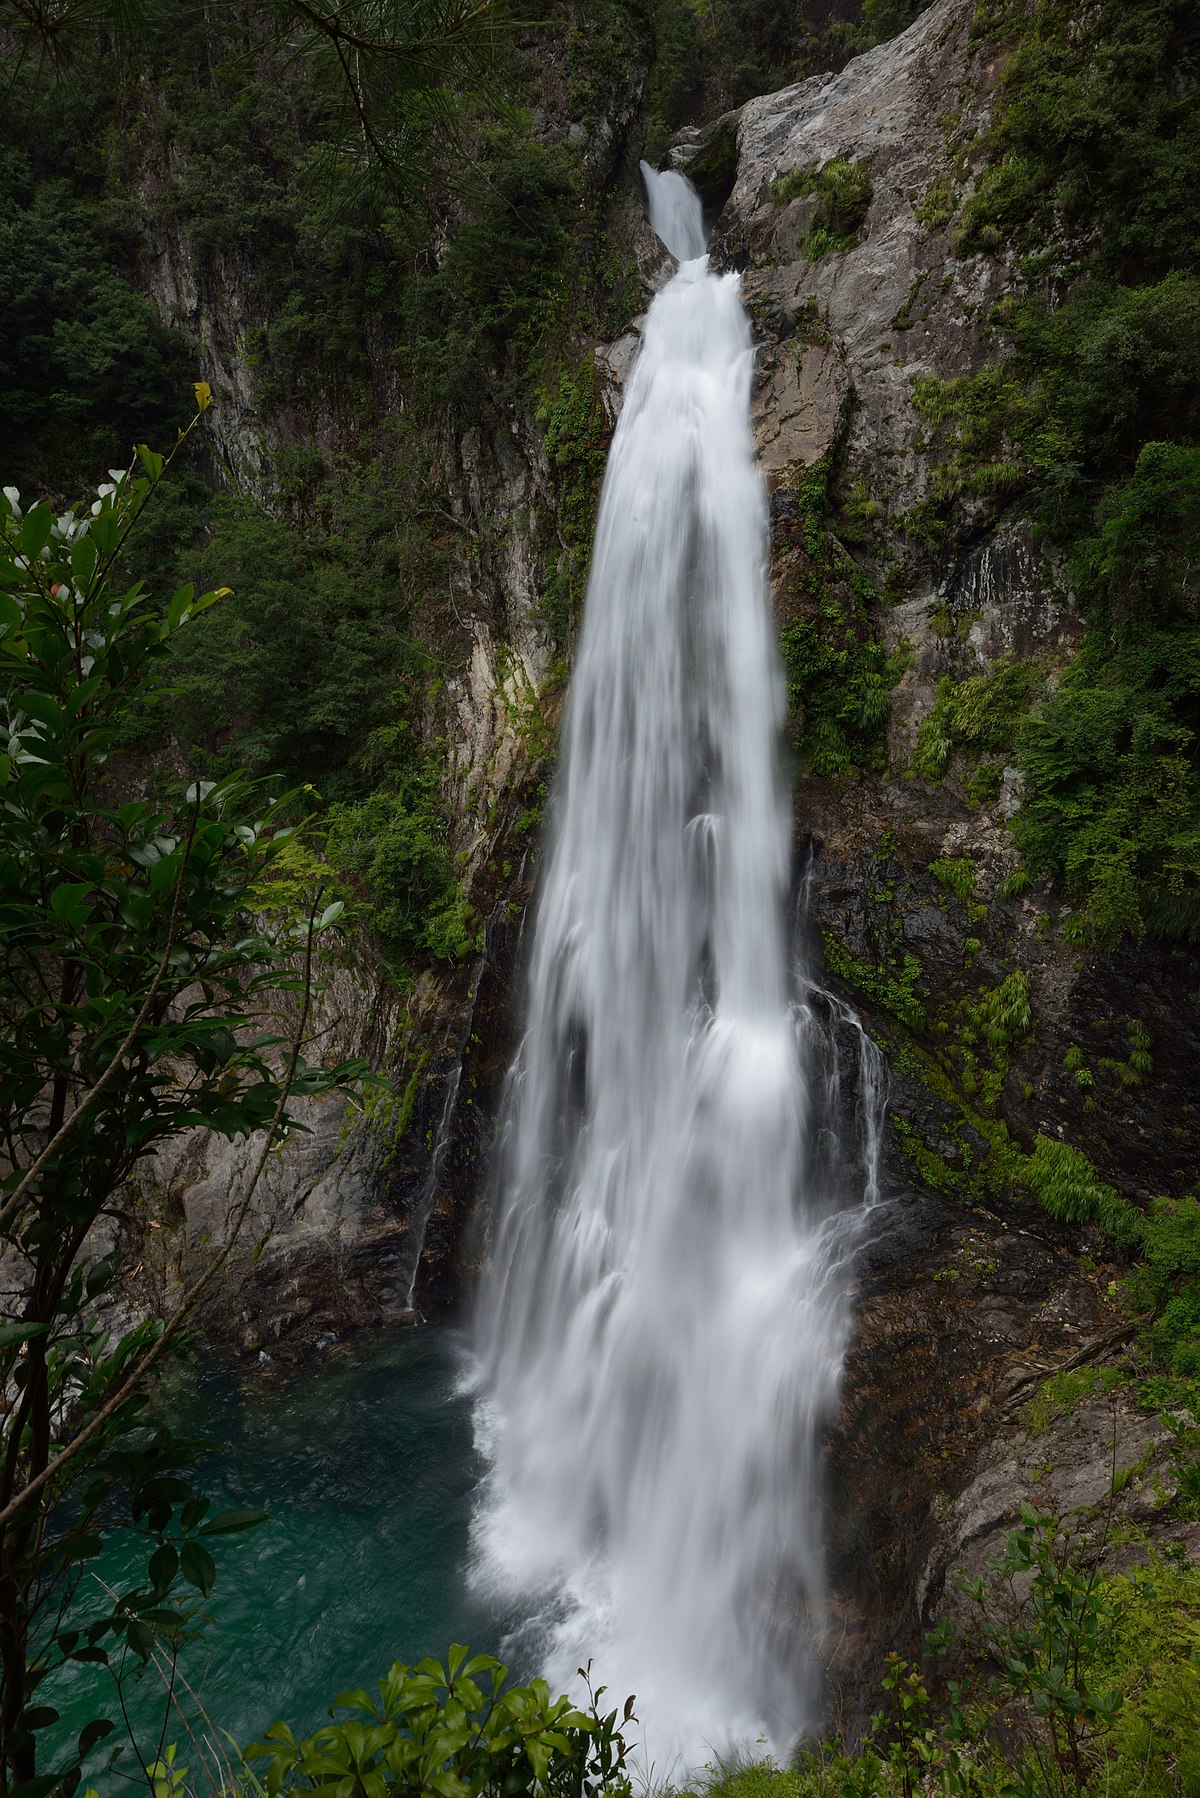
[{"x": 662, "y": 1323}]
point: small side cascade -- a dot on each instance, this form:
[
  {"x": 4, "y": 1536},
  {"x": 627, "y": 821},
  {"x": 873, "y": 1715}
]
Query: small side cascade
[
  {"x": 443, "y": 1137},
  {"x": 663, "y": 1317}
]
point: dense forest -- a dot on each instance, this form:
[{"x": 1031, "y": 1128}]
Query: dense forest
[{"x": 304, "y": 318}]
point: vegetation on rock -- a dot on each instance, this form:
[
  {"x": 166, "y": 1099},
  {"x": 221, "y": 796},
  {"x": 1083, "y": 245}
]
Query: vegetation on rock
[{"x": 1090, "y": 416}]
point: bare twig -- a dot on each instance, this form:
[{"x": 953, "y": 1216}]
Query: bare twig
[
  {"x": 106, "y": 1079},
  {"x": 237, "y": 1217}
]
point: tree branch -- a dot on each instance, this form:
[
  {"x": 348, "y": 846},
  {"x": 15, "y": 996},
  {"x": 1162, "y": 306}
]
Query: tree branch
[
  {"x": 106, "y": 1079},
  {"x": 170, "y": 1328}
]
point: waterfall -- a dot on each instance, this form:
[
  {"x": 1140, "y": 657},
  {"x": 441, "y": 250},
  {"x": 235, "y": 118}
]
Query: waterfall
[{"x": 662, "y": 1318}]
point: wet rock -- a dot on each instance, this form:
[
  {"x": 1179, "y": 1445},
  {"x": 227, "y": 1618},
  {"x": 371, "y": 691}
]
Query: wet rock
[{"x": 953, "y": 1308}]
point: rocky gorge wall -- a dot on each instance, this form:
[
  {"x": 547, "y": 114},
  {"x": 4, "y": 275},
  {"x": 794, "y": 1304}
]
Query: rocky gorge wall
[{"x": 970, "y": 1298}]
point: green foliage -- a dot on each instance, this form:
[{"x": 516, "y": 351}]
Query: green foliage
[
  {"x": 1062, "y": 1392},
  {"x": 678, "y": 75},
  {"x": 1053, "y": 1650},
  {"x": 1084, "y": 385},
  {"x": 1097, "y": 129},
  {"x": 388, "y": 78},
  {"x": 392, "y": 848},
  {"x": 977, "y": 717},
  {"x": 983, "y": 417},
  {"x": 893, "y": 988},
  {"x": 957, "y": 875},
  {"x": 139, "y": 999},
  {"x": 1092, "y": 417},
  {"x": 1079, "y": 1682},
  {"x": 307, "y": 671},
  {"x": 839, "y": 676},
  {"x": 1167, "y": 1283},
  {"x": 1154, "y": 1658},
  {"x": 502, "y": 285},
  {"x": 936, "y": 208},
  {"x": 1112, "y": 800},
  {"x": 1067, "y": 1187},
  {"x": 709, "y": 58},
  {"x": 452, "y": 1732},
  {"x": 309, "y": 656},
  {"x": 1138, "y": 570},
  {"x": 844, "y": 192},
  {"x": 995, "y": 1022},
  {"x": 86, "y": 366},
  {"x": 577, "y": 440}
]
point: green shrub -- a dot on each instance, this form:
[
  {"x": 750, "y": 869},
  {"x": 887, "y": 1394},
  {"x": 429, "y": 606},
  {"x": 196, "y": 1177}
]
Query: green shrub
[
  {"x": 1167, "y": 1283},
  {"x": 957, "y": 875},
  {"x": 1112, "y": 793},
  {"x": 892, "y": 987},
  {"x": 305, "y": 661},
  {"x": 87, "y": 368},
  {"x": 996, "y": 1019},
  {"x": 839, "y": 676},
  {"x": 1067, "y": 1187},
  {"x": 1153, "y": 1657},
  {"x": 678, "y": 75},
  {"x": 458, "y": 1731},
  {"x": 1096, "y": 128},
  {"x": 844, "y": 193},
  {"x": 1138, "y": 572},
  {"x": 979, "y": 716},
  {"x": 392, "y": 848},
  {"x": 1063, "y": 1392}
]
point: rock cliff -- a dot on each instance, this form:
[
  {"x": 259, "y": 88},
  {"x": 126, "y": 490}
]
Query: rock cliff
[
  {"x": 836, "y": 198},
  {"x": 970, "y": 1297}
]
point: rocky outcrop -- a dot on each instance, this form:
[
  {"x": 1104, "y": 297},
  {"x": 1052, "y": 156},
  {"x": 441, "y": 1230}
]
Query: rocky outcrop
[{"x": 969, "y": 1296}]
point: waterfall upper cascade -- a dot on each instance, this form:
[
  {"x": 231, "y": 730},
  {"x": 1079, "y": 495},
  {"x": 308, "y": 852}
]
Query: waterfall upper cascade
[{"x": 662, "y": 1320}]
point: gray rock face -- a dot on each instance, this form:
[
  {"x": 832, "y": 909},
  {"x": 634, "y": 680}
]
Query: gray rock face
[
  {"x": 969, "y": 1297},
  {"x": 342, "y": 1216},
  {"x": 898, "y": 304}
]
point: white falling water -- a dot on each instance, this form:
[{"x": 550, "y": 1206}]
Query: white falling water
[{"x": 661, "y": 1324}]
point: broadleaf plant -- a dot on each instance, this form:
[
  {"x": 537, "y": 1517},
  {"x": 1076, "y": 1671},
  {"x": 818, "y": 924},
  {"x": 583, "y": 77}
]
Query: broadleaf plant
[{"x": 140, "y": 997}]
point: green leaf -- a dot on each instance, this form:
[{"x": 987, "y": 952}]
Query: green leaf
[
  {"x": 140, "y": 1638},
  {"x": 35, "y": 532},
  {"x": 180, "y": 602},
  {"x": 40, "y": 1716},
  {"x": 35, "y": 1788},
  {"x": 14, "y": 1333},
  {"x": 198, "y": 1567},
  {"x": 229, "y": 1522},
  {"x": 104, "y": 531},
  {"x": 93, "y": 1732},
  {"x": 164, "y": 1564},
  {"x": 70, "y": 902},
  {"x": 84, "y": 556},
  {"x": 357, "y": 1700}
]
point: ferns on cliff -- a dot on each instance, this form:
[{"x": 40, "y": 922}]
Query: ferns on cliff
[{"x": 1090, "y": 417}]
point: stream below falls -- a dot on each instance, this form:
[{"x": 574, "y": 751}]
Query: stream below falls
[{"x": 367, "y": 1470}]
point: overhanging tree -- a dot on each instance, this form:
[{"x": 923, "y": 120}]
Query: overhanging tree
[
  {"x": 392, "y": 75},
  {"x": 140, "y": 997}
]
